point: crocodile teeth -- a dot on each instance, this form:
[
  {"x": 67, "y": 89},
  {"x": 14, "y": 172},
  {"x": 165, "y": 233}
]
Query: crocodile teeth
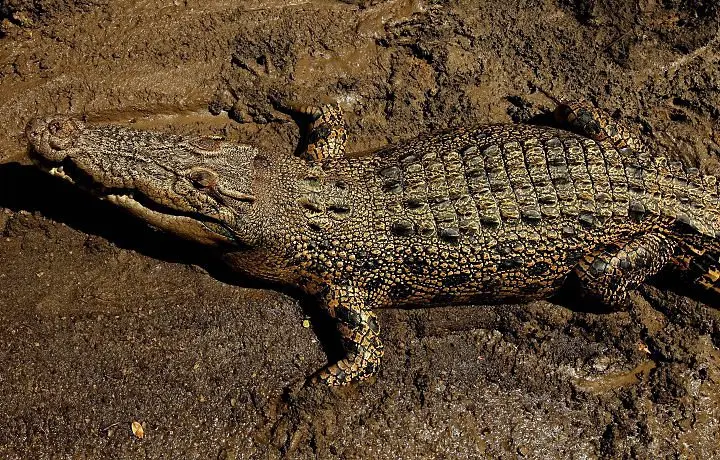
[
  {"x": 58, "y": 171},
  {"x": 126, "y": 200}
]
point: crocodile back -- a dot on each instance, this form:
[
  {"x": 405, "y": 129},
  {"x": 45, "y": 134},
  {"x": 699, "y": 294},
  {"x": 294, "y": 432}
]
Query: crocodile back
[{"x": 462, "y": 184}]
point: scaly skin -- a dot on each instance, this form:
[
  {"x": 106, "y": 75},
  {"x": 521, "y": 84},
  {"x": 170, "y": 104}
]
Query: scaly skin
[{"x": 495, "y": 213}]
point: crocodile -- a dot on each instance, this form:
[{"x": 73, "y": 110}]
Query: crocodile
[{"x": 495, "y": 213}]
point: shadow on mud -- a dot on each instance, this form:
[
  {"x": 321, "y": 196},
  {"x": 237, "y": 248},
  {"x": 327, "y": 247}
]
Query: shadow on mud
[{"x": 29, "y": 189}]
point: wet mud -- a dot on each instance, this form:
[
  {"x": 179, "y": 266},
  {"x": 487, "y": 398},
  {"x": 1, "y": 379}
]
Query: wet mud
[{"x": 104, "y": 322}]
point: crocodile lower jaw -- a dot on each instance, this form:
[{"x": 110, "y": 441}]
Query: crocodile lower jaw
[{"x": 185, "y": 227}]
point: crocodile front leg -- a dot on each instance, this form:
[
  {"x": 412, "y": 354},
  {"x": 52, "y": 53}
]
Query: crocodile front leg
[
  {"x": 328, "y": 133},
  {"x": 609, "y": 275},
  {"x": 360, "y": 335}
]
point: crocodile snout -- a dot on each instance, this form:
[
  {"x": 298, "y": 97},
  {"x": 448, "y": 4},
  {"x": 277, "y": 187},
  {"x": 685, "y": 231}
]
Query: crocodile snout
[{"x": 50, "y": 137}]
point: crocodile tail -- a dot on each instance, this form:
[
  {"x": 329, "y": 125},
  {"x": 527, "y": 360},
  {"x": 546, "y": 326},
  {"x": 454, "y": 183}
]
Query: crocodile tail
[{"x": 698, "y": 206}]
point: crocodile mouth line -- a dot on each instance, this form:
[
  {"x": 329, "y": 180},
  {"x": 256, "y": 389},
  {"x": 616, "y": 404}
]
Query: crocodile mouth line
[{"x": 120, "y": 196}]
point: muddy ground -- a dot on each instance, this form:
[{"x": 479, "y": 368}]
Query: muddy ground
[{"x": 104, "y": 322}]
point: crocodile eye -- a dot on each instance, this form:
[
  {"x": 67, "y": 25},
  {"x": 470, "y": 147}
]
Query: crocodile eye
[{"x": 202, "y": 178}]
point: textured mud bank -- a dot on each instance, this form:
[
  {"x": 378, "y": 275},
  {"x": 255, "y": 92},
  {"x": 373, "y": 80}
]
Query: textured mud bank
[{"x": 104, "y": 322}]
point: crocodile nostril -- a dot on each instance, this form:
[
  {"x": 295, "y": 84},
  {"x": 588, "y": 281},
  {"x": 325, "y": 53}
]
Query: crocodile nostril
[
  {"x": 49, "y": 137},
  {"x": 62, "y": 132},
  {"x": 34, "y": 130}
]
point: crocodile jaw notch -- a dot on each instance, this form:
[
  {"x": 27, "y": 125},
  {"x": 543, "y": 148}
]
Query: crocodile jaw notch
[{"x": 50, "y": 137}]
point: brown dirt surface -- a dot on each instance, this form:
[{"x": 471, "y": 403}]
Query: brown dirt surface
[{"x": 104, "y": 322}]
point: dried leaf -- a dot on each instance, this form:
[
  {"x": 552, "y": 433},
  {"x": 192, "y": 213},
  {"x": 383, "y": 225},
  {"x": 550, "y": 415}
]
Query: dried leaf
[{"x": 137, "y": 430}]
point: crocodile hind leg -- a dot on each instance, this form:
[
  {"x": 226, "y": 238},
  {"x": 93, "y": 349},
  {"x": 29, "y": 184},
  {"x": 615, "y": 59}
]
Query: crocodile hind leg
[
  {"x": 709, "y": 281},
  {"x": 328, "y": 133},
  {"x": 610, "y": 274},
  {"x": 583, "y": 118},
  {"x": 360, "y": 335},
  {"x": 701, "y": 259}
]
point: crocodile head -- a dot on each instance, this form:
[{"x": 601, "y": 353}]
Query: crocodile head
[{"x": 196, "y": 188}]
